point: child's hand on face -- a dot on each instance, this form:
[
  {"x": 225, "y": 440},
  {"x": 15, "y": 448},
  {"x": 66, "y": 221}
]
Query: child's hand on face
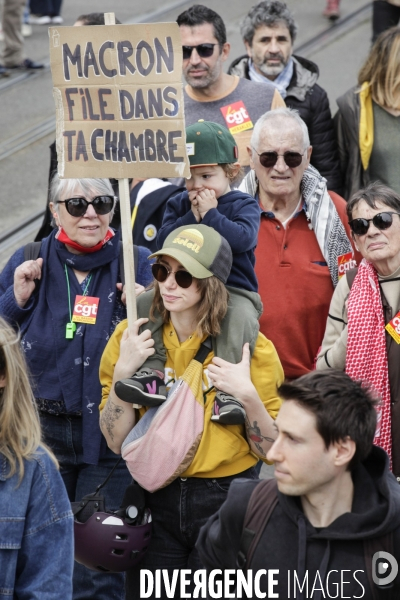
[
  {"x": 205, "y": 201},
  {"x": 194, "y": 203}
]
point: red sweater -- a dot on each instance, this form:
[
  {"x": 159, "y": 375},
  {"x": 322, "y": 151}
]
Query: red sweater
[{"x": 295, "y": 289}]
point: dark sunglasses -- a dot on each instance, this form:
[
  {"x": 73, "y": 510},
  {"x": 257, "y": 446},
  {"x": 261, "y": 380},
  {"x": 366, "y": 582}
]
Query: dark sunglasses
[
  {"x": 269, "y": 159},
  {"x": 203, "y": 50},
  {"x": 182, "y": 278},
  {"x": 77, "y": 207},
  {"x": 381, "y": 221}
]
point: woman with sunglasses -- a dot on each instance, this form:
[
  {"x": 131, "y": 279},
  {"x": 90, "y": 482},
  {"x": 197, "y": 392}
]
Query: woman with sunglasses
[
  {"x": 191, "y": 297},
  {"x": 363, "y": 329},
  {"x": 67, "y": 303}
]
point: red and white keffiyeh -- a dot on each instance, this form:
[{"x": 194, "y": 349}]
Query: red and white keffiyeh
[{"x": 366, "y": 357}]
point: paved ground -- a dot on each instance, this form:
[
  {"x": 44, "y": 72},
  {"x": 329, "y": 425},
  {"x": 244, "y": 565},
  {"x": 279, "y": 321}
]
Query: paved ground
[{"x": 23, "y": 175}]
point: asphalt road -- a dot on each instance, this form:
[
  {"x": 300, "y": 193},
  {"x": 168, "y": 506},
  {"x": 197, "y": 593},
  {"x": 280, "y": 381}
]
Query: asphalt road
[{"x": 28, "y": 104}]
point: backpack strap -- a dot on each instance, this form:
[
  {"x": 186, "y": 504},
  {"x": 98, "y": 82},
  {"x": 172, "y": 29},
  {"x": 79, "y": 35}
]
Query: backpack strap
[
  {"x": 121, "y": 262},
  {"x": 371, "y": 547},
  {"x": 32, "y": 250},
  {"x": 350, "y": 276},
  {"x": 259, "y": 509},
  {"x": 204, "y": 350}
]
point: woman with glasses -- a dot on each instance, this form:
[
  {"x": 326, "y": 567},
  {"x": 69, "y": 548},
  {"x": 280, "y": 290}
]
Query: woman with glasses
[
  {"x": 191, "y": 297},
  {"x": 363, "y": 329},
  {"x": 66, "y": 301}
]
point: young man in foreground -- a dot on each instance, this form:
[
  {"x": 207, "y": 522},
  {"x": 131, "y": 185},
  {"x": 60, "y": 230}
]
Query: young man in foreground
[{"x": 338, "y": 504}]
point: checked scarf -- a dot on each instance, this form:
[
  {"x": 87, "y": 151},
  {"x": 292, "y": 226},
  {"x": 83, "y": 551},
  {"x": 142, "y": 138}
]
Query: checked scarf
[
  {"x": 322, "y": 214},
  {"x": 366, "y": 357}
]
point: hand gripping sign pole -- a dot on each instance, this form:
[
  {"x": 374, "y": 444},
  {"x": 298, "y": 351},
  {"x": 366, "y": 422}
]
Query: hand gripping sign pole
[{"x": 127, "y": 240}]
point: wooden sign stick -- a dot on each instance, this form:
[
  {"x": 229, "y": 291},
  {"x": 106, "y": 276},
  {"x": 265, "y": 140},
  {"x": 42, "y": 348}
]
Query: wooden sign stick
[{"x": 127, "y": 241}]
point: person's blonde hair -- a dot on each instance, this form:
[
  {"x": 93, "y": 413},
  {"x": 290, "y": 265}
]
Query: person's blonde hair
[
  {"x": 382, "y": 69},
  {"x": 233, "y": 171},
  {"x": 20, "y": 432},
  {"x": 213, "y": 306}
]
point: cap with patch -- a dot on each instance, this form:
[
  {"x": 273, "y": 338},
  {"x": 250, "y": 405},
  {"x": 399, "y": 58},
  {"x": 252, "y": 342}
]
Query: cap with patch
[
  {"x": 208, "y": 143},
  {"x": 200, "y": 249}
]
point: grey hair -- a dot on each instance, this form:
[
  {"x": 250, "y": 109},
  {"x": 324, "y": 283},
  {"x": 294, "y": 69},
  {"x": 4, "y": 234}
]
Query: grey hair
[
  {"x": 273, "y": 117},
  {"x": 269, "y": 13},
  {"x": 67, "y": 188},
  {"x": 373, "y": 193}
]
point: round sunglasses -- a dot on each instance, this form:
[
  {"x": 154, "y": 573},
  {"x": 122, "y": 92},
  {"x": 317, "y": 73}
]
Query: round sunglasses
[
  {"x": 269, "y": 159},
  {"x": 203, "y": 50},
  {"x": 161, "y": 273},
  {"x": 381, "y": 221},
  {"x": 78, "y": 206}
]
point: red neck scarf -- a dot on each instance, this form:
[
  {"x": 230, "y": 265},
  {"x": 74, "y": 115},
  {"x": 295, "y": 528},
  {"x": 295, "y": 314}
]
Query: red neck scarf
[
  {"x": 62, "y": 237},
  {"x": 366, "y": 357}
]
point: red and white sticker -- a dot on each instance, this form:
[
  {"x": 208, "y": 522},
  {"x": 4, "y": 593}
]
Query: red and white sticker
[
  {"x": 85, "y": 309},
  {"x": 236, "y": 117},
  {"x": 393, "y": 327},
  {"x": 345, "y": 263}
]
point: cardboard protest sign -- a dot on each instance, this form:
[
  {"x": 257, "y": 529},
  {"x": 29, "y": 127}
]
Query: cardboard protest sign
[{"x": 119, "y": 101}]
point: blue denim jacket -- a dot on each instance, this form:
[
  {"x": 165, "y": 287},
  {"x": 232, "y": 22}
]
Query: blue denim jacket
[{"x": 36, "y": 532}]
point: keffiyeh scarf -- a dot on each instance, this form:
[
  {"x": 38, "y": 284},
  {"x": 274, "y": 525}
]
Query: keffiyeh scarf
[
  {"x": 322, "y": 214},
  {"x": 366, "y": 357}
]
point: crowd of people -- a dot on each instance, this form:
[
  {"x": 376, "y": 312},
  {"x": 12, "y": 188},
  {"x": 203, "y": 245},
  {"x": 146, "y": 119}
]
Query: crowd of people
[{"x": 268, "y": 331}]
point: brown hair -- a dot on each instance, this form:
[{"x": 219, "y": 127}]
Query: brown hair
[
  {"x": 382, "y": 69},
  {"x": 212, "y": 309}
]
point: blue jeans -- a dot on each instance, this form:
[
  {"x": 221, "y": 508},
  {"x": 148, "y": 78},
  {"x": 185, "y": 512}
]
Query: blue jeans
[
  {"x": 63, "y": 434},
  {"x": 179, "y": 511}
]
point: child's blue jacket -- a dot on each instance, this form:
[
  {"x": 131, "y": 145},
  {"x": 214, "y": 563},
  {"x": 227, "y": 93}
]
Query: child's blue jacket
[{"x": 236, "y": 218}]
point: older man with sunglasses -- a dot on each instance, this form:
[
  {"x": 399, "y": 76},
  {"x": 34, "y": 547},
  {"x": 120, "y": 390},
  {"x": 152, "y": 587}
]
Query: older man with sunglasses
[
  {"x": 211, "y": 94},
  {"x": 362, "y": 333},
  {"x": 304, "y": 241}
]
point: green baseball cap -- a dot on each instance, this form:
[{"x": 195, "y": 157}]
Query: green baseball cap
[
  {"x": 200, "y": 249},
  {"x": 209, "y": 144}
]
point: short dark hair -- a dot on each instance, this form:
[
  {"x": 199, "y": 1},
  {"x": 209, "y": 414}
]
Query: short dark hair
[
  {"x": 95, "y": 18},
  {"x": 198, "y": 15},
  {"x": 269, "y": 13},
  {"x": 342, "y": 408},
  {"x": 373, "y": 193}
]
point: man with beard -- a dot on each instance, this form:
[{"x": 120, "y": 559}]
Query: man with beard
[
  {"x": 211, "y": 94},
  {"x": 268, "y": 32}
]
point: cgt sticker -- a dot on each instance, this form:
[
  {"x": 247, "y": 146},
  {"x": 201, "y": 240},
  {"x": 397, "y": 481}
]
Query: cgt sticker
[
  {"x": 236, "y": 117},
  {"x": 393, "y": 327},
  {"x": 85, "y": 309},
  {"x": 345, "y": 263}
]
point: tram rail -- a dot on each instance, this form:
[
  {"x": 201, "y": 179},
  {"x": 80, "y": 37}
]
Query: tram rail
[{"x": 31, "y": 135}]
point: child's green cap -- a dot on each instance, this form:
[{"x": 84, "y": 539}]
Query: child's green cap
[{"x": 209, "y": 144}]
